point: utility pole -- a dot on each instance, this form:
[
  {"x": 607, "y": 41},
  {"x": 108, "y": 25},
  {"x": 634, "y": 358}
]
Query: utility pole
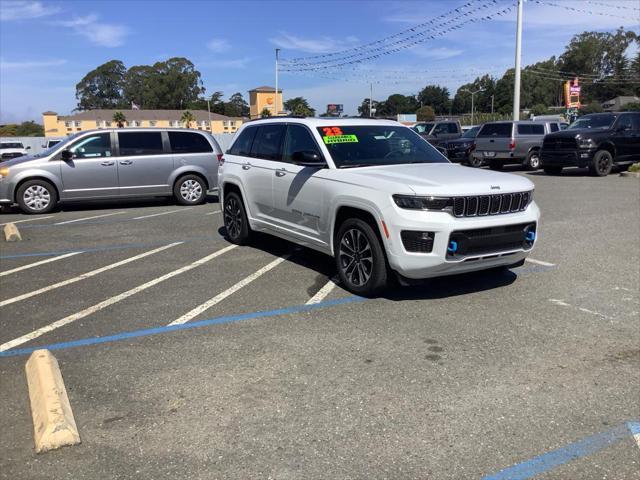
[
  {"x": 371, "y": 99},
  {"x": 516, "y": 86},
  {"x": 275, "y": 108},
  {"x": 473, "y": 94}
]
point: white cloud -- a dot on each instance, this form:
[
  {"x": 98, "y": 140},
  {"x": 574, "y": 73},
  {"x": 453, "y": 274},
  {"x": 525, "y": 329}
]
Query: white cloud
[
  {"x": 101, "y": 34},
  {"x": 313, "y": 45},
  {"x": 229, "y": 63},
  {"x": 26, "y": 65},
  {"x": 23, "y": 10},
  {"x": 218, "y": 45},
  {"x": 437, "y": 53}
]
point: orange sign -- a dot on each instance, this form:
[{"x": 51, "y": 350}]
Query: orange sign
[{"x": 332, "y": 131}]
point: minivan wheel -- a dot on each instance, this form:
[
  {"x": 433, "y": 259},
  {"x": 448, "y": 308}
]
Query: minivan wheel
[
  {"x": 236, "y": 223},
  {"x": 533, "y": 161},
  {"x": 360, "y": 259},
  {"x": 36, "y": 196},
  {"x": 602, "y": 164},
  {"x": 190, "y": 190}
]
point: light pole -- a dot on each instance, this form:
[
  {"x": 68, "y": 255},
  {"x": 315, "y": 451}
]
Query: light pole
[
  {"x": 473, "y": 94},
  {"x": 516, "y": 86},
  {"x": 275, "y": 108},
  {"x": 209, "y": 110},
  {"x": 492, "y": 97}
]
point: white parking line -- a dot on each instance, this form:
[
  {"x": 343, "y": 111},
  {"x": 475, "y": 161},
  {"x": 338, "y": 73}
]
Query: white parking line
[
  {"x": 582, "y": 309},
  {"x": 36, "y": 264},
  {"x": 540, "y": 262},
  {"x": 109, "y": 301},
  {"x": 229, "y": 291},
  {"x": 322, "y": 293},
  {"x": 162, "y": 213},
  {"x": 88, "y": 218},
  {"x": 213, "y": 213},
  {"x": 85, "y": 275},
  {"x": 27, "y": 220}
]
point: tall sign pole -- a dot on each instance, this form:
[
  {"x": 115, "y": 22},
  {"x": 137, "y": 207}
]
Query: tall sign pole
[
  {"x": 516, "y": 86},
  {"x": 275, "y": 108}
]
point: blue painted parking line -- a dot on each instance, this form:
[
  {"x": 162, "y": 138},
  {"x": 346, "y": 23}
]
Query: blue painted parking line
[
  {"x": 561, "y": 456},
  {"x": 186, "y": 326}
]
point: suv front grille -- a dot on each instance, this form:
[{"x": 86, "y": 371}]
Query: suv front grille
[
  {"x": 483, "y": 241},
  {"x": 559, "y": 144},
  {"x": 481, "y": 205}
]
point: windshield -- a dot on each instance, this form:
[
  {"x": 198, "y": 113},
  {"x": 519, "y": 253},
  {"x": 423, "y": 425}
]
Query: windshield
[
  {"x": 368, "y": 145},
  {"x": 471, "y": 133},
  {"x": 595, "y": 121},
  {"x": 423, "y": 127},
  {"x": 11, "y": 145},
  {"x": 58, "y": 146}
]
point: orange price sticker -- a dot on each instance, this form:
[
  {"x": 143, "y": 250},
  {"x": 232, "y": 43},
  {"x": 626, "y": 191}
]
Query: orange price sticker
[{"x": 332, "y": 131}]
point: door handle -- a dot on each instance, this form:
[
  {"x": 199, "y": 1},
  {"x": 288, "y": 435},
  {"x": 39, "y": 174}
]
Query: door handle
[
  {"x": 107, "y": 164},
  {"x": 281, "y": 172},
  {"x": 246, "y": 166},
  {"x": 126, "y": 162}
]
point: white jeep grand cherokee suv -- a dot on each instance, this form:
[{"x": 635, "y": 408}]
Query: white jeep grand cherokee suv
[{"x": 376, "y": 196}]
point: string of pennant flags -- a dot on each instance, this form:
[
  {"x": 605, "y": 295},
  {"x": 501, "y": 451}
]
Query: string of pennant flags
[
  {"x": 609, "y": 5},
  {"x": 578, "y": 10}
]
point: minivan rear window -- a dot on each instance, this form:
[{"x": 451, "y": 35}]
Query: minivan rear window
[
  {"x": 140, "y": 143},
  {"x": 495, "y": 130},
  {"x": 530, "y": 129},
  {"x": 187, "y": 142}
]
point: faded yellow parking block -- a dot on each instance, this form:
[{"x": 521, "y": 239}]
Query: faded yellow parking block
[{"x": 11, "y": 233}]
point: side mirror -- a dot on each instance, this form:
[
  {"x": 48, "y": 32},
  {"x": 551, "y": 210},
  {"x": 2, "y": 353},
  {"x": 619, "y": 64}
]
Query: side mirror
[
  {"x": 308, "y": 158},
  {"x": 28, "y": 147},
  {"x": 66, "y": 155}
]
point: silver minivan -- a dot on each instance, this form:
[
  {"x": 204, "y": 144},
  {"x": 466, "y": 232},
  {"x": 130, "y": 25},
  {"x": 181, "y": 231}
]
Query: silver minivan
[
  {"x": 114, "y": 163},
  {"x": 507, "y": 142}
]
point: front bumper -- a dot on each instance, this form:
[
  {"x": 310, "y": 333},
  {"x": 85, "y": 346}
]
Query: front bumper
[
  {"x": 458, "y": 155},
  {"x": 413, "y": 265},
  {"x": 566, "y": 158}
]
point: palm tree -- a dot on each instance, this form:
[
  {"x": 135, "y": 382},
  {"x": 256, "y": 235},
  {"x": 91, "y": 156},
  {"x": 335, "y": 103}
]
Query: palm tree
[
  {"x": 119, "y": 119},
  {"x": 265, "y": 112},
  {"x": 187, "y": 118}
]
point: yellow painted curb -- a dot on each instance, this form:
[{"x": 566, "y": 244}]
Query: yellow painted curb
[
  {"x": 53, "y": 422},
  {"x": 11, "y": 233}
]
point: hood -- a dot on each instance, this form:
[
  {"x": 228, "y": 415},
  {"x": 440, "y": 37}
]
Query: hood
[
  {"x": 460, "y": 141},
  {"x": 18, "y": 160},
  {"x": 440, "y": 179},
  {"x": 578, "y": 132}
]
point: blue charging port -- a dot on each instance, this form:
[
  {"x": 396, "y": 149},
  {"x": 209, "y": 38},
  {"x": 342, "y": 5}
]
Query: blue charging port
[
  {"x": 453, "y": 246},
  {"x": 531, "y": 236}
]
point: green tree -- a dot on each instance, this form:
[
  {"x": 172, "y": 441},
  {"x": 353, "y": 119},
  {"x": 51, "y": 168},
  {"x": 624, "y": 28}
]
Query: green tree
[
  {"x": 265, "y": 112},
  {"x": 187, "y": 118},
  {"x": 363, "y": 108},
  {"x": 136, "y": 87},
  {"x": 631, "y": 107},
  {"x": 119, "y": 119},
  {"x": 30, "y": 129},
  {"x": 299, "y": 106},
  {"x": 236, "y": 106},
  {"x": 8, "y": 130},
  {"x": 538, "y": 109},
  {"x": 397, "y": 104},
  {"x": 435, "y": 96},
  {"x": 425, "y": 114},
  {"x": 101, "y": 87}
]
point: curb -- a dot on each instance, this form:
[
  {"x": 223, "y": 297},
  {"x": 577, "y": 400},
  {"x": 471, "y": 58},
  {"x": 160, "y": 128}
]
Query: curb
[
  {"x": 630, "y": 174},
  {"x": 53, "y": 422},
  {"x": 11, "y": 233}
]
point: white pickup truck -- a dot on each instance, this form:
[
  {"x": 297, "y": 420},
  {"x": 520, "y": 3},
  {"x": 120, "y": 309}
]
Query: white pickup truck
[
  {"x": 376, "y": 196},
  {"x": 9, "y": 150}
]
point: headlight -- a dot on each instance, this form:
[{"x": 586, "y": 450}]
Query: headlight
[
  {"x": 586, "y": 143},
  {"x": 413, "y": 202},
  {"x": 4, "y": 172}
]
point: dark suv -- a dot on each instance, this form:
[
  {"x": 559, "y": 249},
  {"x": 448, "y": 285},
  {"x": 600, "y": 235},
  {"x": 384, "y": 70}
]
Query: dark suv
[
  {"x": 597, "y": 141},
  {"x": 438, "y": 132}
]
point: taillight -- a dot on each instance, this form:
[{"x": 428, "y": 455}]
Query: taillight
[
  {"x": 512, "y": 144},
  {"x": 220, "y": 158}
]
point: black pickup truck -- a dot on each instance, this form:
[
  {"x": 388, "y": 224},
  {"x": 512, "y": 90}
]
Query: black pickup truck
[{"x": 597, "y": 141}]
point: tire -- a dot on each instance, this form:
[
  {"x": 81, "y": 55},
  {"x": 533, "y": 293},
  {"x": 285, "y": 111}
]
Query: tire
[
  {"x": 360, "y": 258},
  {"x": 474, "y": 162},
  {"x": 236, "y": 223},
  {"x": 602, "y": 164},
  {"x": 495, "y": 165},
  {"x": 190, "y": 190},
  {"x": 532, "y": 162},
  {"x": 36, "y": 196},
  {"x": 552, "y": 170}
]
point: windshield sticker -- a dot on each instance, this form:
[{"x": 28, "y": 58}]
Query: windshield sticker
[
  {"x": 340, "y": 139},
  {"x": 332, "y": 131}
]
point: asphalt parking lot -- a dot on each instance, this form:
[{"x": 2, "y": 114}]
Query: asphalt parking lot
[{"x": 272, "y": 371}]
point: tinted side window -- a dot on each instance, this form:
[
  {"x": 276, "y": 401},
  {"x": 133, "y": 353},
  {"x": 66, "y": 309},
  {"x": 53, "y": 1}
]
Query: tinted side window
[
  {"x": 553, "y": 127},
  {"x": 635, "y": 119},
  {"x": 495, "y": 130},
  {"x": 268, "y": 142},
  {"x": 140, "y": 143},
  {"x": 187, "y": 142},
  {"x": 298, "y": 139},
  {"x": 441, "y": 128},
  {"x": 624, "y": 120},
  {"x": 530, "y": 129},
  {"x": 453, "y": 128},
  {"x": 92, "y": 146},
  {"x": 242, "y": 146}
]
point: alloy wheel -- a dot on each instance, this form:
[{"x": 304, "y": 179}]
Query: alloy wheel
[
  {"x": 534, "y": 161},
  {"x": 36, "y": 197},
  {"x": 191, "y": 190},
  {"x": 233, "y": 218},
  {"x": 356, "y": 257},
  {"x": 602, "y": 165}
]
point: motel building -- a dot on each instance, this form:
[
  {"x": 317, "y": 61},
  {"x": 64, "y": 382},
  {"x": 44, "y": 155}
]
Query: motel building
[{"x": 264, "y": 97}]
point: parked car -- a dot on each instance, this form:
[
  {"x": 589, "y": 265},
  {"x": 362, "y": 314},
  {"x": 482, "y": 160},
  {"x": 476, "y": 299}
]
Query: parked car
[
  {"x": 597, "y": 141},
  {"x": 504, "y": 143},
  {"x": 112, "y": 163},
  {"x": 376, "y": 197},
  {"x": 51, "y": 143},
  {"x": 9, "y": 150},
  {"x": 439, "y": 131},
  {"x": 459, "y": 149}
]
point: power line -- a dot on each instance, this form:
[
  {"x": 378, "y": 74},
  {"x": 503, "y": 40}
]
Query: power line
[
  {"x": 609, "y": 5},
  {"x": 579, "y": 10}
]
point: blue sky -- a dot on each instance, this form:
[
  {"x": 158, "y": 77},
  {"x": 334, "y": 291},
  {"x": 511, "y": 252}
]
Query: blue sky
[{"x": 46, "y": 47}]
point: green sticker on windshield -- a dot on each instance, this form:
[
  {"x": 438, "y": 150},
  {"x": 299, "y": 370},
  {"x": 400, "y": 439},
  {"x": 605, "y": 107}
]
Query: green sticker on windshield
[{"x": 340, "y": 139}]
